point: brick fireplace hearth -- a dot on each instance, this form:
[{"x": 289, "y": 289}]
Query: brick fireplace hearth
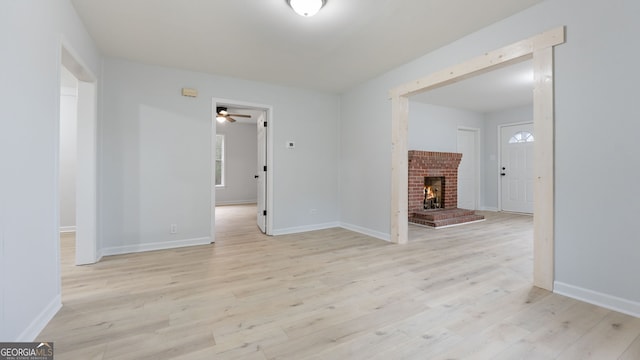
[{"x": 429, "y": 164}]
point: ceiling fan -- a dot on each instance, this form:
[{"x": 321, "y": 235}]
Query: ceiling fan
[{"x": 223, "y": 115}]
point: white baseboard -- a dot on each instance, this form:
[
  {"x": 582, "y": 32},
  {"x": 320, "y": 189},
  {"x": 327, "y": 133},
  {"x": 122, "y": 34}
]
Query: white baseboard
[
  {"x": 596, "y": 298},
  {"x": 67, "y": 229},
  {"x": 365, "y": 231},
  {"x": 355, "y": 228},
  {"x": 38, "y": 324},
  {"x": 301, "y": 229},
  {"x": 236, "y": 202},
  {"x": 127, "y": 249},
  {"x": 488, "y": 208}
]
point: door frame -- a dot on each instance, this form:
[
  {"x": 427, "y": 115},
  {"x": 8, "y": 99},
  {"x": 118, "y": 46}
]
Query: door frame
[
  {"x": 268, "y": 109},
  {"x": 87, "y": 159},
  {"x": 478, "y": 158},
  {"x": 500, "y": 157},
  {"x": 540, "y": 49}
]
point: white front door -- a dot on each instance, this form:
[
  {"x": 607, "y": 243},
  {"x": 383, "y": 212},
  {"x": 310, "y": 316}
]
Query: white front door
[
  {"x": 468, "y": 169},
  {"x": 516, "y": 168},
  {"x": 261, "y": 173}
]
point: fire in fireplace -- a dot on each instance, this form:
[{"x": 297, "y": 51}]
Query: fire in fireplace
[{"x": 433, "y": 192}]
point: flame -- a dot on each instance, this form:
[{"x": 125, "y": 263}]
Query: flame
[{"x": 428, "y": 191}]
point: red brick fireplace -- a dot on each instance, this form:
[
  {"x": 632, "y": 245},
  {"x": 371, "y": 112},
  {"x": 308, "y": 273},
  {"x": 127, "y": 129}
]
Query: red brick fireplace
[
  {"x": 433, "y": 164},
  {"x": 426, "y": 168}
]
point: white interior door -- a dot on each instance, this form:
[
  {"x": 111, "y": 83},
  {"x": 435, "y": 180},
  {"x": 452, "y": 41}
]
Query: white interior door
[
  {"x": 516, "y": 169},
  {"x": 468, "y": 169},
  {"x": 261, "y": 173}
]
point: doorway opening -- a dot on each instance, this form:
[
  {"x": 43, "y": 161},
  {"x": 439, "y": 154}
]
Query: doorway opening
[
  {"x": 539, "y": 48},
  {"x": 77, "y": 157},
  {"x": 247, "y": 180}
]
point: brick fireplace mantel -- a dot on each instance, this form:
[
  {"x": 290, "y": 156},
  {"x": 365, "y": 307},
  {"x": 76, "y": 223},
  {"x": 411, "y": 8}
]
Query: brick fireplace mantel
[{"x": 428, "y": 163}]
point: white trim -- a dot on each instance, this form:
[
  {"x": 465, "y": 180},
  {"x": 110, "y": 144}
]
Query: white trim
[
  {"x": 79, "y": 68},
  {"x": 307, "y": 228},
  {"x": 236, "y": 202},
  {"x": 67, "y": 229},
  {"x": 489, "y": 208},
  {"x": 212, "y": 174},
  {"x": 516, "y": 213},
  {"x": 365, "y": 231},
  {"x": 454, "y": 225},
  {"x": 127, "y": 249},
  {"x": 69, "y": 91},
  {"x": 597, "y": 298},
  {"x": 38, "y": 324}
]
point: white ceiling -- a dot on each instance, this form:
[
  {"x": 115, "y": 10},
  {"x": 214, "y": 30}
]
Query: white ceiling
[
  {"x": 507, "y": 87},
  {"x": 348, "y": 42}
]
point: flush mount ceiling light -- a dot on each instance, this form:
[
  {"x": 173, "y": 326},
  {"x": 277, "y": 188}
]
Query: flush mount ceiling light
[{"x": 306, "y": 8}]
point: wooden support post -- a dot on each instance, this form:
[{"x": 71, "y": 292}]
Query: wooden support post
[
  {"x": 543, "y": 164},
  {"x": 399, "y": 169}
]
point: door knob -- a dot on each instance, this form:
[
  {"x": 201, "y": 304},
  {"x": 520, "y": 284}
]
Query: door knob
[
  {"x": 502, "y": 174},
  {"x": 256, "y": 176}
]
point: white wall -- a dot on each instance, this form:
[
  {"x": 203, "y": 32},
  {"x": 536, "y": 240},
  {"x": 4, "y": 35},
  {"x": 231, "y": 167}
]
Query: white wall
[
  {"x": 68, "y": 150},
  {"x": 594, "y": 89},
  {"x": 156, "y": 163},
  {"x": 491, "y": 156},
  {"x": 596, "y": 93},
  {"x": 30, "y": 34},
  {"x": 241, "y": 158},
  {"x": 435, "y": 128}
]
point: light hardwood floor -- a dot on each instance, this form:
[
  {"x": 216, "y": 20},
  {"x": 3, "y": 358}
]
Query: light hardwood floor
[{"x": 456, "y": 293}]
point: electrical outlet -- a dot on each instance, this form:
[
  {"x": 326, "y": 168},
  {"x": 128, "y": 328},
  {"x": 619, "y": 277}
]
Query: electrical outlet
[{"x": 173, "y": 228}]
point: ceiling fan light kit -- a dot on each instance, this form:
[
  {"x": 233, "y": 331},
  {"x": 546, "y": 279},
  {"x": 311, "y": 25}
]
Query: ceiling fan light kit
[
  {"x": 223, "y": 115},
  {"x": 306, "y": 8}
]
